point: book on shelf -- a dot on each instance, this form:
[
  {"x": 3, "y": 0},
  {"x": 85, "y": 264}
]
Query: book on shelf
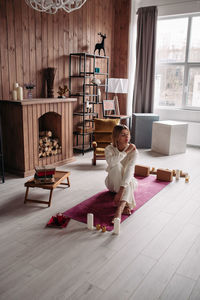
[
  {"x": 37, "y": 176},
  {"x": 47, "y": 173},
  {"x": 44, "y": 174}
]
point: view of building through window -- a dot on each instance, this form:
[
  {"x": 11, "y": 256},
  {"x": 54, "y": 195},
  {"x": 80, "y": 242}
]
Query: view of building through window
[{"x": 177, "y": 80}]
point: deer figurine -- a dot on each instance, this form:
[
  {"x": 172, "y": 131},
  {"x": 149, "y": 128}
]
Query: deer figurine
[{"x": 100, "y": 46}]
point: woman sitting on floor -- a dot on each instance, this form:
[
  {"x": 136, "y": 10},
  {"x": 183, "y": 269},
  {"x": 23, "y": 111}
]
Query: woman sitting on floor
[{"x": 120, "y": 157}]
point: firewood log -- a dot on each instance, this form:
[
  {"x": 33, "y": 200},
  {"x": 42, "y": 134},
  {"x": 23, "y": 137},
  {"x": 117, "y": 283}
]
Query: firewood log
[
  {"x": 45, "y": 133},
  {"x": 44, "y": 139},
  {"x": 48, "y": 145},
  {"x": 54, "y": 142},
  {"x": 49, "y": 133}
]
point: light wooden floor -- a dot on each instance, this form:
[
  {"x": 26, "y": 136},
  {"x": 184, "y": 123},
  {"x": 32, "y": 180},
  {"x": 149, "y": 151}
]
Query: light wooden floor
[{"x": 156, "y": 255}]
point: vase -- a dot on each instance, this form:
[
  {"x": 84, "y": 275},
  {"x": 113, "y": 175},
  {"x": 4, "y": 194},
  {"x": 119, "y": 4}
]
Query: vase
[
  {"x": 29, "y": 94},
  {"x": 50, "y": 75}
]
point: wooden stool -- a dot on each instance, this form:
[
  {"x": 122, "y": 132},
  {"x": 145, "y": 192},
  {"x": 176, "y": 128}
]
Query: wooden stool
[{"x": 59, "y": 176}]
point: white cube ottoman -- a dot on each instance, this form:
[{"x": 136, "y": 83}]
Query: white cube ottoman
[{"x": 169, "y": 137}]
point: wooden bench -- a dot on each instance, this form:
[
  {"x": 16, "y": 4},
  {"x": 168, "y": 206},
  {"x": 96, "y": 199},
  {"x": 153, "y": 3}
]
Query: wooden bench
[{"x": 59, "y": 176}]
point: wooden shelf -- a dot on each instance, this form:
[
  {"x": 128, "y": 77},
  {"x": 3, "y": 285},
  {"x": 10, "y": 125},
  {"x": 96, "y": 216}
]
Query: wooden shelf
[
  {"x": 89, "y": 55},
  {"x": 85, "y": 114},
  {"x": 82, "y": 67}
]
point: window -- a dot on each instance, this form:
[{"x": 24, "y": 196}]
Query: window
[{"x": 177, "y": 80}]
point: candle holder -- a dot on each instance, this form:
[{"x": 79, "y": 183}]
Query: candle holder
[{"x": 29, "y": 87}]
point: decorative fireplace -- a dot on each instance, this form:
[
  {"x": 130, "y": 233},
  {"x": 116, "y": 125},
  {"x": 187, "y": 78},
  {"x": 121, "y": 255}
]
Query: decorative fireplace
[{"x": 21, "y": 123}]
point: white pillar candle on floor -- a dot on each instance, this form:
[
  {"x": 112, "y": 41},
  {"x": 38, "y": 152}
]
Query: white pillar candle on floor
[
  {"x": 90, "y": 221},
  {"x": 20, "y": 93},
  {"x": 14, "y": 95},
  {"x": 177, "y": 174},
  {"x": 15, "y": 86},
  {"x": 116, "y": 225}
]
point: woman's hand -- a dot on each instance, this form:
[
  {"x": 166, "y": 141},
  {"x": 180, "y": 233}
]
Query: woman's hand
[{"x": 130, "y": 148}]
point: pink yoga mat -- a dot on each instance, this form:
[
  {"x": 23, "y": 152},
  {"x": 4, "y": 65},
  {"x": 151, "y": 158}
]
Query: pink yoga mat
[{"x": 102, "y": 206}]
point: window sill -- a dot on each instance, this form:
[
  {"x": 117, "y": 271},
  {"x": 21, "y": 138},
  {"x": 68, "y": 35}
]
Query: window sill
[{"x": 178, "y": 114}]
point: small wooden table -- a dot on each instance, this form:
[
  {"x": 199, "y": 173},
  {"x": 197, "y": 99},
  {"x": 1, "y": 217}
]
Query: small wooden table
[{"x": 59, "y": 176}]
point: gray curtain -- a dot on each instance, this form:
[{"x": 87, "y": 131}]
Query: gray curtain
[{"x": 143, "y": 94}]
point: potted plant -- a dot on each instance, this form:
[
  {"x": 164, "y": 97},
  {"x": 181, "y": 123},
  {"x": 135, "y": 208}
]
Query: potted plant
[
  {"x": 29, "y": 87},
  {"x": 62, "y": 92}
]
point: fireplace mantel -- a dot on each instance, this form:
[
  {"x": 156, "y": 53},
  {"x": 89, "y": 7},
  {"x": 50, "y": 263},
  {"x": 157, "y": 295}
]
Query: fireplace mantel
[
  {"x": 20, "y": 125},
  {"x": 41, "y": 101}
]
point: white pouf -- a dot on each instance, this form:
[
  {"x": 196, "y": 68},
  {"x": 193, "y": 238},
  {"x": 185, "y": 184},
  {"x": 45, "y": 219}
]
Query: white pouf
[{"x": 169, "y": 137}]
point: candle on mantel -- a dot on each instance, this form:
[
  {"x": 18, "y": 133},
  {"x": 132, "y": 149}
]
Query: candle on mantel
[
  {"x": 20, "y": 93},
  {"x": 90, "y": 221},
  {"x": 15, "y": 86},
  {"x": 116, "y": 225},
  {"x": 14, "y": 94}
]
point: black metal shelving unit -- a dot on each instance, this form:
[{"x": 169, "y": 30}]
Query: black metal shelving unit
[{"x": 81, "y": 67}]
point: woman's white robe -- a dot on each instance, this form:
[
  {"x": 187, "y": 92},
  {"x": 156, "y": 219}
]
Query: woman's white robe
[{"x": 120, "y": 173}]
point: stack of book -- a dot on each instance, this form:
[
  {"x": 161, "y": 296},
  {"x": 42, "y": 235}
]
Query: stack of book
[{"x": 44, "y": 175}]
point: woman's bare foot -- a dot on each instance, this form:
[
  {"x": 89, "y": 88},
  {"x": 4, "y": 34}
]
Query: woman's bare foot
[{"x": 126, "y": 211}]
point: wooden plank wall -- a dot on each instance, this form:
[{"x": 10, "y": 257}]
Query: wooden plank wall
[
  {"x": 32, "y": 41},
  {"x": 121, "y": 40}
]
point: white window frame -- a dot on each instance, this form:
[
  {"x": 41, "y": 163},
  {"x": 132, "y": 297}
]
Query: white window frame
[{"x": 187, "y": 65}]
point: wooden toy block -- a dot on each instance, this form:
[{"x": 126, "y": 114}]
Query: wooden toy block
[
  {"x": 178, "y": 174},
  {"x": 187, "y": 178},
  {"x": 183, "y": 174},
  {"x": 153, "y": 171},
  {"x": 142, "y": 170},
  {"x": 164, "y": 175}
]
